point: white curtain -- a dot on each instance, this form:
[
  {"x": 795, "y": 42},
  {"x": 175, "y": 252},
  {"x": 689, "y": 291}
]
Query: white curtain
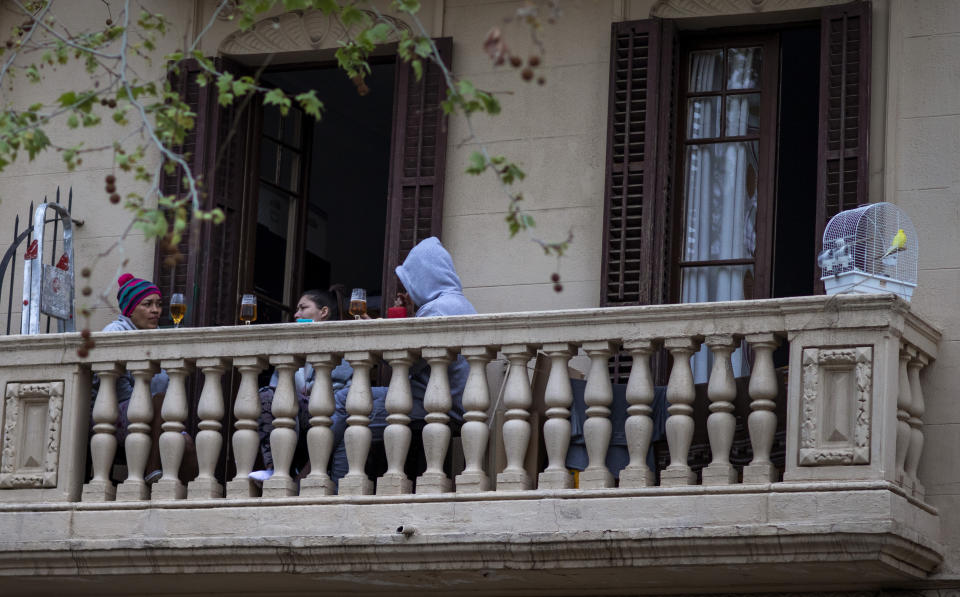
[{"x": 720, "y": 189}]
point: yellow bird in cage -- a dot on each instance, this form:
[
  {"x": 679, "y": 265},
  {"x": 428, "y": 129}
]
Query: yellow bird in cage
[{"x": 899, "y": 243}]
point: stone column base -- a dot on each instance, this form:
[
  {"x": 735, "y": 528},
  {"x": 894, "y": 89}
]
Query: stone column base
[
  {"x": 513, "y": 481},
  {"x": 394, "y": 484},
  {"x": 168, "y": 489},
  {"x": 238, "y": 489},
  {"x": 434, "y": 483},
  {"x": 555, "y": 480},
  {"x": 472, "y": 483},
  {"x": 759, "y": 473},
  {"x": 596, "y": 479},
  {"x": 202, "y": 489},
  {"x": 133, "y": 490},
  {"x": 719, "y": 474},
  {"x": 637, "y": 477},
  {"x": 677, "y": 477},
  {"x": 98, "y": 491},
  {"x": 317, "y": 485},
  {"x": 359, "y": 485}
]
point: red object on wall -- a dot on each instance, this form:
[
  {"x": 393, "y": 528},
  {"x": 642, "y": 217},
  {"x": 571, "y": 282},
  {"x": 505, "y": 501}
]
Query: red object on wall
[{"x": 396, "y": 312}]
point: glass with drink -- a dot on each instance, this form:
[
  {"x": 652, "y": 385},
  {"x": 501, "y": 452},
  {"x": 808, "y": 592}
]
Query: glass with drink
[
  {"x": 358, "y": 302},
  {"x": 248, "y": 308},
  {"x": 178, "y": 308}
]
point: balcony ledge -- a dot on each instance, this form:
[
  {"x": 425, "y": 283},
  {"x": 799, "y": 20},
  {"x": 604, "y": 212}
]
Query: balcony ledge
[{"x": 834, "y": 535}]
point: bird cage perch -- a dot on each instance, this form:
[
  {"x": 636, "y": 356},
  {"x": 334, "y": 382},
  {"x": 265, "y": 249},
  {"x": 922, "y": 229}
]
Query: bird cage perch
[{"x": 870, "y": 249}]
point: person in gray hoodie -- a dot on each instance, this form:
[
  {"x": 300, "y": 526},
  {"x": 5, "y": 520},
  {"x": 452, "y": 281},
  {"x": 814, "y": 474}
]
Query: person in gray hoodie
[{"x": 433, "y": 285}]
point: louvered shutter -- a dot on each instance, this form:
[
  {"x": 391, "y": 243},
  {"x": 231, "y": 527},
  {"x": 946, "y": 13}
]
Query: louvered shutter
[
  {"x": 842, "y": 174},
  {"x": 217, "y": 149},
  {"x": 636, "y": 260},
  {"x": 417, "y": 160},
  {"x": 175, "y": 278}
]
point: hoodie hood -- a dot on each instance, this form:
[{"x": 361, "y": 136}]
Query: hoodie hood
[{"x": 432, "y": 282}]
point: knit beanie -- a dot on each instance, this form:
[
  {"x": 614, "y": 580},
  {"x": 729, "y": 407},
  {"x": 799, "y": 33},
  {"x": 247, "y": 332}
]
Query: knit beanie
[{"x": 132, "y": 291}]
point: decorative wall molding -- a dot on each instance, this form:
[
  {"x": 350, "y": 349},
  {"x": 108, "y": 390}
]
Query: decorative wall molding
[
  {"x": 837, "y": 385},
  {"x": 26, "y": 463},
  {"x": 297, "y": 30},
  {"x": 679, "y": 9}
]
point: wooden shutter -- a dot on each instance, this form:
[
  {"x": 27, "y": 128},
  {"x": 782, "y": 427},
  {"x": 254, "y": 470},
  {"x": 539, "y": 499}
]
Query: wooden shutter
[
  {"x": 636, "y": 256},
  {"x": 417, "y": 160},
  {"x": 218, "y": 155},
  {"x": 842, "y": 174}
]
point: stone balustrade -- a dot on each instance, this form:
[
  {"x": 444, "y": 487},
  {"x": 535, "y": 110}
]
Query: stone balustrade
[
  {"x": 848, "y": 499},
  {"x": 854, "y": 411}
]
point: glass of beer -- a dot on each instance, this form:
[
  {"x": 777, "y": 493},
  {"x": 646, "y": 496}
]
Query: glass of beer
[
  {"x": 358, "y": 302},
  {"x": 248, "y": 308},
  {"x": 178, "y": 308}
]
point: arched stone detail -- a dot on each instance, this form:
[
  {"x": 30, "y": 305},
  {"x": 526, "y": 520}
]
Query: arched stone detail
[
  {"x": 678, "y": 9},
  {"x": 297, "y": 30}
]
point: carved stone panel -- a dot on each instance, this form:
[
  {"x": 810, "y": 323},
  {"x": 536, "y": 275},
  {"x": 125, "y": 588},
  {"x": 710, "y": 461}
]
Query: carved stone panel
[
  {"x": 837, "y": 385},
  {"x": 677, "y": 9},
  {"x": 31, "y": 434},
  {"x": 298, "y": 30}
]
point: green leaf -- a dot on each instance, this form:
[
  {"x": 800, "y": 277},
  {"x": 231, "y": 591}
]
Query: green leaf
[
  {"x": 72, "y": 121},
  {"x": 310, "y": 103},
  {"x": 67, "y": 99},
  {"x": 276, "y": 97},
  {"x": 417, "y": 66},
  {"x": 477, "y": 163}
]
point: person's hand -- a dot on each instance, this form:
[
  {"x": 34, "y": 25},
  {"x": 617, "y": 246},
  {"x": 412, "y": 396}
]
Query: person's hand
[{"x": 403, "y": 300}]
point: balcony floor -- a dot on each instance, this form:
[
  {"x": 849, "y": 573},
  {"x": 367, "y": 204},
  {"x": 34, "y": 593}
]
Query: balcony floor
[{"x": 834, "y": 536}]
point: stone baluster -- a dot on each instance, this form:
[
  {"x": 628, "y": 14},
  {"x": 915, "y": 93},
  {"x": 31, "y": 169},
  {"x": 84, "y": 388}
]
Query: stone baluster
[
  {"x": 103, "y": 444},
  {"x": 679, "y": 426},
  {"x": 762, "y": 422},
  {"x": 597, "y": 429},
  {"x": 358, "y": 436},
  {"x": 917, "y": 409},
  {"x": 397, "y": 435},
  {"x": 246, "y": 436},
  {"x": 904, "y": 402},
  {"x": 558, "y": 398},
  {"x": 172, "y": 442},
  {"x": 436, "y": 433},
  {"x": 721, "y": 424},
  {"x": 139, "y": 441},
  {"x": 209, "y": 440},
  {"x": 320, "y": 436},
  {"x": 517, "y": 399},
  {"x": 283, "y": 437},
  {"x": 639, "y": 425},
  {"x": 475, "y": 434}
]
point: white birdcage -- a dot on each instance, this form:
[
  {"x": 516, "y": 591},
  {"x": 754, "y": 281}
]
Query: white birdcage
[{"x": 870, "y": 249}]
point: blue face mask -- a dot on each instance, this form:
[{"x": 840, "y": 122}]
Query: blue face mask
[{"x": 304, "y": 320}]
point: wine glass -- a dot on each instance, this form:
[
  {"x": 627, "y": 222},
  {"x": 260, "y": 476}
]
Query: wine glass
[
  {"x": 358, "y": 302},
  {"x": 248, "y": 308},
  {"x": 178, "y": 308}
]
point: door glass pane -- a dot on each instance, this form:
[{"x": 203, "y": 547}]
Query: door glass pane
[
  {"x": 273, "y": 209},
  {"x": 743, "y": 68},
  {"x": 743, "y": 114},
  {"x": 292, "y": 124},
  {"x": 271, "y": 121},
  {"x": 279, "y": 165},
  {"x": 717, "y": 283},
  {"x": 720, "y": 192},
  {"x": 703, "y": 117},
  {"x": 706, "y": 71}
]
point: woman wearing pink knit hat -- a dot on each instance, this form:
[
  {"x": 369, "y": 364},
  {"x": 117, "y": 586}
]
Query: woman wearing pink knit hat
[{"x": 139, "y": 301}]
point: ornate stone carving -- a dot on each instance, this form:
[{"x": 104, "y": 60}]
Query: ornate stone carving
[
  {"x": 31, "y": 443},
  {"x": 678, "y": 9},
  {"x": 835, "y": 406},
  {"x": 297, "y": 30}
]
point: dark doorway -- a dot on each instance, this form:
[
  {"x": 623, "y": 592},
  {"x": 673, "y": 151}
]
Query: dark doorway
[{"x": 322, "y": 203}]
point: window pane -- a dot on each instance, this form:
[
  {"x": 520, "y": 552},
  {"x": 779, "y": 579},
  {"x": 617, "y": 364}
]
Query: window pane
[
  {"x": 271, "y": 121},
  {"x": 706, "y": 71},
  {"x": 291, "y": 128},
  {"x": 289, "y": 173},
  {"x": 703, "y": 117},
  {"x": 271, "y": 250},
  {"x": 268, "y": 160},
  {"x": 720, "y": 195},
  {"x": 743, "y": 66},
  {"x": 743, "y": 114},
  {"x": 717, "y": 283}
]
